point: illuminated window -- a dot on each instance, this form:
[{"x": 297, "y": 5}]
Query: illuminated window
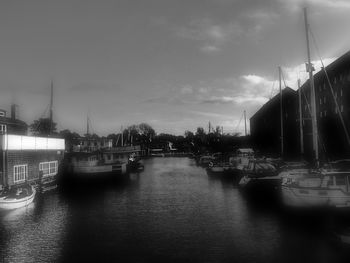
[
  {"x": 2, "y": 128},
  {"x": 20, "y": 173},
  {"x": 48, "y": 168}
]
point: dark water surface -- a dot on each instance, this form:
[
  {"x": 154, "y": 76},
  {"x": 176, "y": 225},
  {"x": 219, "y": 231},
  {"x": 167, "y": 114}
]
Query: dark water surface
[{"x": 171, "y": 212}]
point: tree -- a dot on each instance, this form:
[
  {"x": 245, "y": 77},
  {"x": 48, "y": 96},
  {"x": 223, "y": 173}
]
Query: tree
[
  {"x": 189, "y": 135},
  {"x": 200, "y": 131},
  {"x": 146, "y": 129},
  {"x": 43, "y": 126}
]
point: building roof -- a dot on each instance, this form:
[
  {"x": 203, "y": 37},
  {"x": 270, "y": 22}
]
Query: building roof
[
  {"x": 275, "y": 99},
  {"x": 13, "y": 122},
  {"x": 343, "y": 60}
]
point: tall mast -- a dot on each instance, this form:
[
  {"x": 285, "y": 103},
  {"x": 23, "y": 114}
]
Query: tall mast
[
  {"x": 87, "y": 125},
  {"x": 309, "y": 68},
  {"x": 122, "y": 136},
  {"x": 245, "y": 123},
  {"x": 300, "y": 122},
  {"x": 281, "y": 110},
  {"x": 51, "y": 105}
]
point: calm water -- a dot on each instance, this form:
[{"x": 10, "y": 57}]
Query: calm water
[{"x": 171, "y": 212}]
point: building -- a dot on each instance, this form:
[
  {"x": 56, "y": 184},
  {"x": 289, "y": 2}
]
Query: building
[
  {"x": 12, "y": 125},
  {"x": 27, "y": 158},
  {"x": 265, "y": 125},
  {"x": 333, "y": 143}
]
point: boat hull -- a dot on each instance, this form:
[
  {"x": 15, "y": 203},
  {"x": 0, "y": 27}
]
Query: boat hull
[
  {"x": 13, "y": 203},
  {"x": 315, "y": 197}
]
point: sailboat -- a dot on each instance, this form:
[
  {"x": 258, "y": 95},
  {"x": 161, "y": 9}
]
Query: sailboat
[{"x": 317, "y": 187}]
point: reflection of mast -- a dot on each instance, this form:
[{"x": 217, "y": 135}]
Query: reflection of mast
[
  {"x": 309, "y": 68},
  {"x": 300, "y": 122}
]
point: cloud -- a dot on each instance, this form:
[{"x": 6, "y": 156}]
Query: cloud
[
  {"x": 210, "y": 49},
  {"x": 212, "y": 35},
  {"x": 294, "y": 5}
]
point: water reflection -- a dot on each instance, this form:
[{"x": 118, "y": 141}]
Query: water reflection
[{"x": 172, "y": 212}]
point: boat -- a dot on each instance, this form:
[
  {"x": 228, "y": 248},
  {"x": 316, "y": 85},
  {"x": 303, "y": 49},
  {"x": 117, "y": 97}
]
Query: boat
[
  {"x": 261, "y": 176},
  {"x": 95, "y": 165},
  {"x": 318, "y": 186},
  {"x": 134, "y": 163},
  {"x": 17, "y": 196}
]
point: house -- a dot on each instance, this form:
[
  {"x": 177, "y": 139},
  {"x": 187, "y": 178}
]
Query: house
[{"x": 27, "y": 158}]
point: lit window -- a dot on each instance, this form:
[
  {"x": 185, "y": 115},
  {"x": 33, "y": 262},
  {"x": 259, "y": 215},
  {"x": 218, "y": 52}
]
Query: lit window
[
  {"x": 20, "y": 173},
  {"x": 48, "y": 168},
  {"x": 2, "y": 128},
  {"x": 2, "y": 114}
]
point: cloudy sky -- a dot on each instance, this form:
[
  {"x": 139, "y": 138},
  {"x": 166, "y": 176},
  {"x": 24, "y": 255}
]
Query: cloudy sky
[{"x": 175, "y": 64}]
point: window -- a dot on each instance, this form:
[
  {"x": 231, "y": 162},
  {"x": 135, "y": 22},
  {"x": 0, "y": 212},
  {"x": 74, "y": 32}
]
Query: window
[
  {"x": 321, "y": 114},
  {"x": 340, "y": 180},
  {"x": 324, "y": 99},
  {"x": 342, "y": 108},
  {"x": 48, "y": 168},
  {"x": 325, "y": 113},
  {"x": 2, "y": 128},
  {"x": 2, "y": 114},
  {"x": 20, "y": 173},
  {"x": 320, "y": 101}
]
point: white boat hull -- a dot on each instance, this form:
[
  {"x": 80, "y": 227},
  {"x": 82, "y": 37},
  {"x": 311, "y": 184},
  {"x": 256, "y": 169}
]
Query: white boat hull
[
  {"x": 315, "y": 197},
  {"x": 13, "y": 203},
  {"x": 100, "y": 169}
]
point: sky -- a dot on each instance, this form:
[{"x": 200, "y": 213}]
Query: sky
[{"x": 174, "y": 64}]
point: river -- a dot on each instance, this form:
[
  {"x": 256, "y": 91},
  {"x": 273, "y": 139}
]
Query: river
[{"x": 170, "y": 212}]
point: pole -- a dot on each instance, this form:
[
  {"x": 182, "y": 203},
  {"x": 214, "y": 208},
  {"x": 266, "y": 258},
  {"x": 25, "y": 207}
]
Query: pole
[
  {"x": 281, "y": 110},
  {"x": 51, "y": 105},
  {"x": 309, "y": 68},
  {"x": 122, "y": 136},
  {"x": 245, "y": 124},
  {"x": 300, "y": 122}
]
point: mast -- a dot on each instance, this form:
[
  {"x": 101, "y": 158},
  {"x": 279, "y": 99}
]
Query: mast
[
  {"x": 281, "y": 110},
  {"x": 245, "y": 123},
  {"x": 51, "y": 105},
  {"x": 87, "y": 125},
  {"x": 300, "y": 121},
  {"x": 309, "y": 68},
  {"x": 122, "y": 136}
]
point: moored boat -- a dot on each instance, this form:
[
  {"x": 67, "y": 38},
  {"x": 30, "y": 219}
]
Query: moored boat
[
  {"x": 17, "y": 196},
  {"x": 316, "y": 188}
]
